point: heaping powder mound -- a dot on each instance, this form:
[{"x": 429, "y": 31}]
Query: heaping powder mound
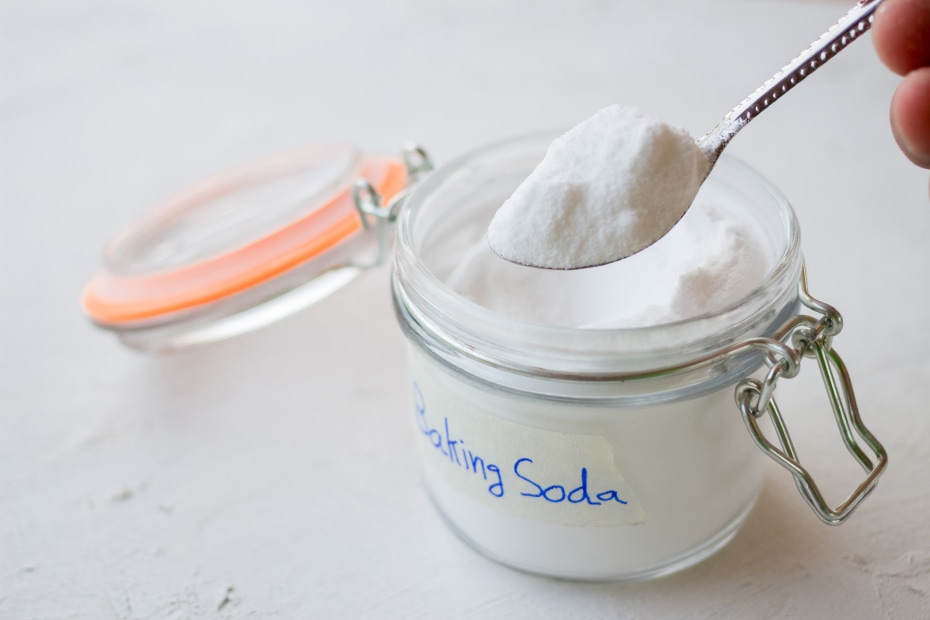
[
  {"x": 709, "y": 260},
  {"x": 608, "y": 188}
]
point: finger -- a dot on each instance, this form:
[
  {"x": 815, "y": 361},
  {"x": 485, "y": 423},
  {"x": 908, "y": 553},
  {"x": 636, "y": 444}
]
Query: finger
[
  {"x": 910, "y": 116},
  {"x": 901, "y": 34}
]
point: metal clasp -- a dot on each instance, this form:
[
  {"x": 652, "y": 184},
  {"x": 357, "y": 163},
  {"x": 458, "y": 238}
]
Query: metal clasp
[
  {"x": 380, "y": 217},
  {"x": 809, "y": 337}
]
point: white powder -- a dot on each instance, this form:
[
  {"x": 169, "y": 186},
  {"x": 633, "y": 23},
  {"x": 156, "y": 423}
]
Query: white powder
[
  {"x": 605, "y": 190},
  {"x": 710, "y": 260},
  {"x": 690, "y": 463}
]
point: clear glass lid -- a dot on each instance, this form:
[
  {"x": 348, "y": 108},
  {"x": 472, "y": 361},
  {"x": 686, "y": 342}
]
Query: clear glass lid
[{"x": 247, "y": 234}]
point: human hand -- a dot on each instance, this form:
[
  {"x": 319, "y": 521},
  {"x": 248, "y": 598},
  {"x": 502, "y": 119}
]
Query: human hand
[{"x": 901, "y": 34}]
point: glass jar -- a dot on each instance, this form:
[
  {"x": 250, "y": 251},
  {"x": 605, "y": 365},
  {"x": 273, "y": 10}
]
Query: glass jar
[{"x": 598, "y": 453}]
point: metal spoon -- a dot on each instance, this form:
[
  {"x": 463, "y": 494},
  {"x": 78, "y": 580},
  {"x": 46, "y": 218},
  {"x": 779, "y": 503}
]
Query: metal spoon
[
  {"x": 834, "y": 40},
  {"x": 830, "y": 43}
]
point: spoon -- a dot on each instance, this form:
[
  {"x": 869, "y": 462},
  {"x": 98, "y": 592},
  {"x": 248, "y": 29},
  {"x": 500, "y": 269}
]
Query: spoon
[{"x": 517, "y": 234}]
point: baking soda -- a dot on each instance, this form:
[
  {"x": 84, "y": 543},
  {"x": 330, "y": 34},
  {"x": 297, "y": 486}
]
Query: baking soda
[
  {"x": 709, "y": 261},
  {"x": 605, "y": 190},
  {"x": 575, "y": 452}
]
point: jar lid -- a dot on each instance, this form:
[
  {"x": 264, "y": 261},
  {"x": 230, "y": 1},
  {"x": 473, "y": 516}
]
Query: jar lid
[{"x": 235, "y": 241}]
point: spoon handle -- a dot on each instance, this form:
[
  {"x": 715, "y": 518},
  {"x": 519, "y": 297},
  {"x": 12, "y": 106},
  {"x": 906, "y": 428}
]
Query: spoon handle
[{"x": 830, "y": 43}]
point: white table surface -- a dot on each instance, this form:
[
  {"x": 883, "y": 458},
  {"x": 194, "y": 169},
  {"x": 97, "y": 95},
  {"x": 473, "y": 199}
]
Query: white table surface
[{"x": 273, "y": 476}]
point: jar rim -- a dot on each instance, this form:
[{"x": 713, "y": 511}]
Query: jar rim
[{"x": 507, "y": 342}]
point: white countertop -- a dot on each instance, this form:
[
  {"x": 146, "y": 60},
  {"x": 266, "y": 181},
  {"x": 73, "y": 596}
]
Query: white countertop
[{"x": 273, "y": 476}]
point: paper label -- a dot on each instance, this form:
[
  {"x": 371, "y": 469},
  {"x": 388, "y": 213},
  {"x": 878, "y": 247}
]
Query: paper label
[{"x": 539, "y": 474}]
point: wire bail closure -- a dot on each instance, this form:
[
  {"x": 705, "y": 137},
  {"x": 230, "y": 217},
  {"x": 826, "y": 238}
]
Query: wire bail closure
[
  {"x": 380, "y": 217},
  {"x": 809, "y": 337}
]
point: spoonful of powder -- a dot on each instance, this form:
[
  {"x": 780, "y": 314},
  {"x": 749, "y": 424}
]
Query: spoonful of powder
[
  {"x": 608, "y": 188},
  {"x": 619, "y": 181}
]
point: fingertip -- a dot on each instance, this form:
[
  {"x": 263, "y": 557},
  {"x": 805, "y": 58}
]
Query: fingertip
[{"x": 910, "y": 116}]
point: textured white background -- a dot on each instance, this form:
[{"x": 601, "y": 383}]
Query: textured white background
[{"x": 273, "y": 476}]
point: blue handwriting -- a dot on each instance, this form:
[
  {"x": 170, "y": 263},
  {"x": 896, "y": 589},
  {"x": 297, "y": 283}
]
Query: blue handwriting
[
  {"x": 556, "y": 493},
  {"x": 454, "y": 449}
]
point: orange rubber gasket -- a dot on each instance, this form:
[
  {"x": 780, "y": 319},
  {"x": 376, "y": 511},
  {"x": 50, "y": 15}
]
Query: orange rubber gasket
[{"x": 113, "y": 299}]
